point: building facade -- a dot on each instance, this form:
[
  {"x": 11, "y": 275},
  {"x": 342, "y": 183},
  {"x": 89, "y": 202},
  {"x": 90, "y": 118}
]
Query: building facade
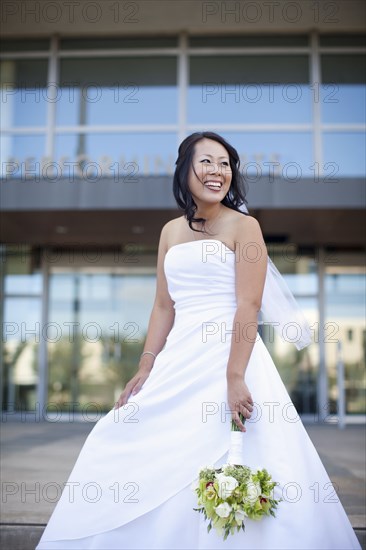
[{"x": 95, "y": 99}]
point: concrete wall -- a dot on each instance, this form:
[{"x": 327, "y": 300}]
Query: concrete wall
[
  {"x": 156, "y": 192},
  {"x": 37, "y": 18}
]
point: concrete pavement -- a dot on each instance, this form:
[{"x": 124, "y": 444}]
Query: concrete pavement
[{"x": 37, "y": 458}]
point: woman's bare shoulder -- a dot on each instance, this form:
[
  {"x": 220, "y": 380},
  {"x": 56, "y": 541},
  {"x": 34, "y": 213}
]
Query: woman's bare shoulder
[
  {"x": 173, "y": 225},
  {"x": 247, "y": 227},
  {"x": 172, "y": 228},
  {"x": 246, "y": 220}
]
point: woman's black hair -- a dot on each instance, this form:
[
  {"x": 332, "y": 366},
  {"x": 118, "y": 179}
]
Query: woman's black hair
[{"x": 236, "y": 195}]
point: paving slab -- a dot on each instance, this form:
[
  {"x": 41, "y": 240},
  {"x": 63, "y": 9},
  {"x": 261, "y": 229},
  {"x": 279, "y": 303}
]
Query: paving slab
[{"x": 37, "y": 458}]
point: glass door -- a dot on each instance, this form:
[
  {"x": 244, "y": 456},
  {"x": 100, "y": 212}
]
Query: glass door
[
  {"x": 299, "y": 369},
  {"x": 98, "y": 322},
  {"x": 346, "y": 335},
  {"x": 21, "y": 281}
]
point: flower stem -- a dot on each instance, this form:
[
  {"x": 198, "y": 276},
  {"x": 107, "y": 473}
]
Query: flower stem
[{"x": 234, "y": 426}]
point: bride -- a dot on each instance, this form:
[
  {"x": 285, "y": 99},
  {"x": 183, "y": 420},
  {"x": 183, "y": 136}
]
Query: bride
[{"x": 203, "y": 365}]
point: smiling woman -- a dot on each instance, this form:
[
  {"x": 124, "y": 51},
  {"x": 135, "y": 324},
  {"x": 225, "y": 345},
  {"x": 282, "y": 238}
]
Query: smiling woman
[{"x": 206, "y": 157}]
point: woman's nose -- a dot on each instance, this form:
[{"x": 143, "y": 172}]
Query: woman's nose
[{"x": 214, "y": 168}]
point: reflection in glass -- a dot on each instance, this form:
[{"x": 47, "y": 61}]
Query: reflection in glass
[
  {"x": 21, "y": 277},
  {"x": 101, "y": 327},
  {"x": 117, "y": 91},
  {"x": 21, "y": 156},
  {"x": 111, "y": 42},
  {"x": 124, "y": 154},
  {"x": 24, "y": 92},
  {"x": 23, "y": 284},
  {"x": 344, "y": 39},
  {"x": 21, "y": 332},
  {"x": 249, "y": 89},
  {"x": 345, "y": 153},
  {"x": 21, "y": 337},
  {"x": 345, "y": 318},
  {"x": 298, "y": 368},
  {"x": 250, "y": 41},
  {"x": 285, "y": 154},
  {"x": 343, "y": 90},
  {"x": 16, "y": 45}
]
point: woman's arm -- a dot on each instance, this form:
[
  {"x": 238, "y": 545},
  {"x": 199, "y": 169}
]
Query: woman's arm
[
  {"x": 250, "y": 274},
  {"x": 160, "y": 324}
]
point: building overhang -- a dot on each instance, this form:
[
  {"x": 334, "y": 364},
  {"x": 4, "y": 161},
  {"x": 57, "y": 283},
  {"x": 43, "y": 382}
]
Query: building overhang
[{"x": 155, "y": 192}]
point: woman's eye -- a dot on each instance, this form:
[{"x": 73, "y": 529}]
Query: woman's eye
[
  {"x": 225, "y": 163},
  {"x": 206, "y": 160}
]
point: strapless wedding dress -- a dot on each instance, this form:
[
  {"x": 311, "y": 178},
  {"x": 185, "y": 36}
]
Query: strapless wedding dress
[{"x": 131, "y": 485}]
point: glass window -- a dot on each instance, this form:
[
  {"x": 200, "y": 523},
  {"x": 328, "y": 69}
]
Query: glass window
[
  {"x": 339, "y": 40},
  {"x": 16, "y": 45},
  {"x": 24, "y": 94},
  {"x": 21, "y": 155},
  {"x": 298, "y": 368},
  {"x": 111, "y": 42},
  {"x": 20, "y": 275},
  {"x": 345, "y": 151},
  {"x": 103, "y": 322},
  {"x": 285, "y": 154},
  {"x": 345, "y": 315},
  {"x": 23, "y": 284},
  {"x": 21, "y": 328},
  {"x": 249, "y": 89},
  {"x": 21, "y": 336},
  {"x": 251, "y": 41},
  {"x": 118, "y": 91},
  {"x": 343, "y": 90},
  {"x": 299, "y": 271},
  {"x": 126, "y": 154}
]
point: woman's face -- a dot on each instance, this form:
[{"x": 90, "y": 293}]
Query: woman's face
[{"x": 209, "y": 178}]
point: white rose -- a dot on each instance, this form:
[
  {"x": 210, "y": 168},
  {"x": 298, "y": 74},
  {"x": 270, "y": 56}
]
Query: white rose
[
  {"x": 253, "y": 492},
  {"x": 226, "y": 484},
  {"x": 240, "y": 515},
  {"x": 223, "y": 510}
]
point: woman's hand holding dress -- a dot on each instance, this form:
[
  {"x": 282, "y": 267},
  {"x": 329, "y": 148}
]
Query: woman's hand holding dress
[{"x": 133, "y": 386}]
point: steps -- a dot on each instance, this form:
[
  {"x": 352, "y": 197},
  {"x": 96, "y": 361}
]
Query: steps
[{"x": 18, "y": 536}]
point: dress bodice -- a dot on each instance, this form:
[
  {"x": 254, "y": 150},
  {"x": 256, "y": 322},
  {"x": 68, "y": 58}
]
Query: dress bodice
[{"x": 200, "y": 275}]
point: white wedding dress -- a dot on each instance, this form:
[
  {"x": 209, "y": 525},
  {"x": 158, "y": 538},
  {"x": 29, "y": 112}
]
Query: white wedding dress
[{"x": 131, "y": 485}]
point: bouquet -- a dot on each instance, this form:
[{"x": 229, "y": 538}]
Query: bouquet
[{"x": 234, "y": 492}]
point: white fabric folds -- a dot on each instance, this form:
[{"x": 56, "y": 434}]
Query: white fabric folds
[{"x": 131, "y": 487}]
